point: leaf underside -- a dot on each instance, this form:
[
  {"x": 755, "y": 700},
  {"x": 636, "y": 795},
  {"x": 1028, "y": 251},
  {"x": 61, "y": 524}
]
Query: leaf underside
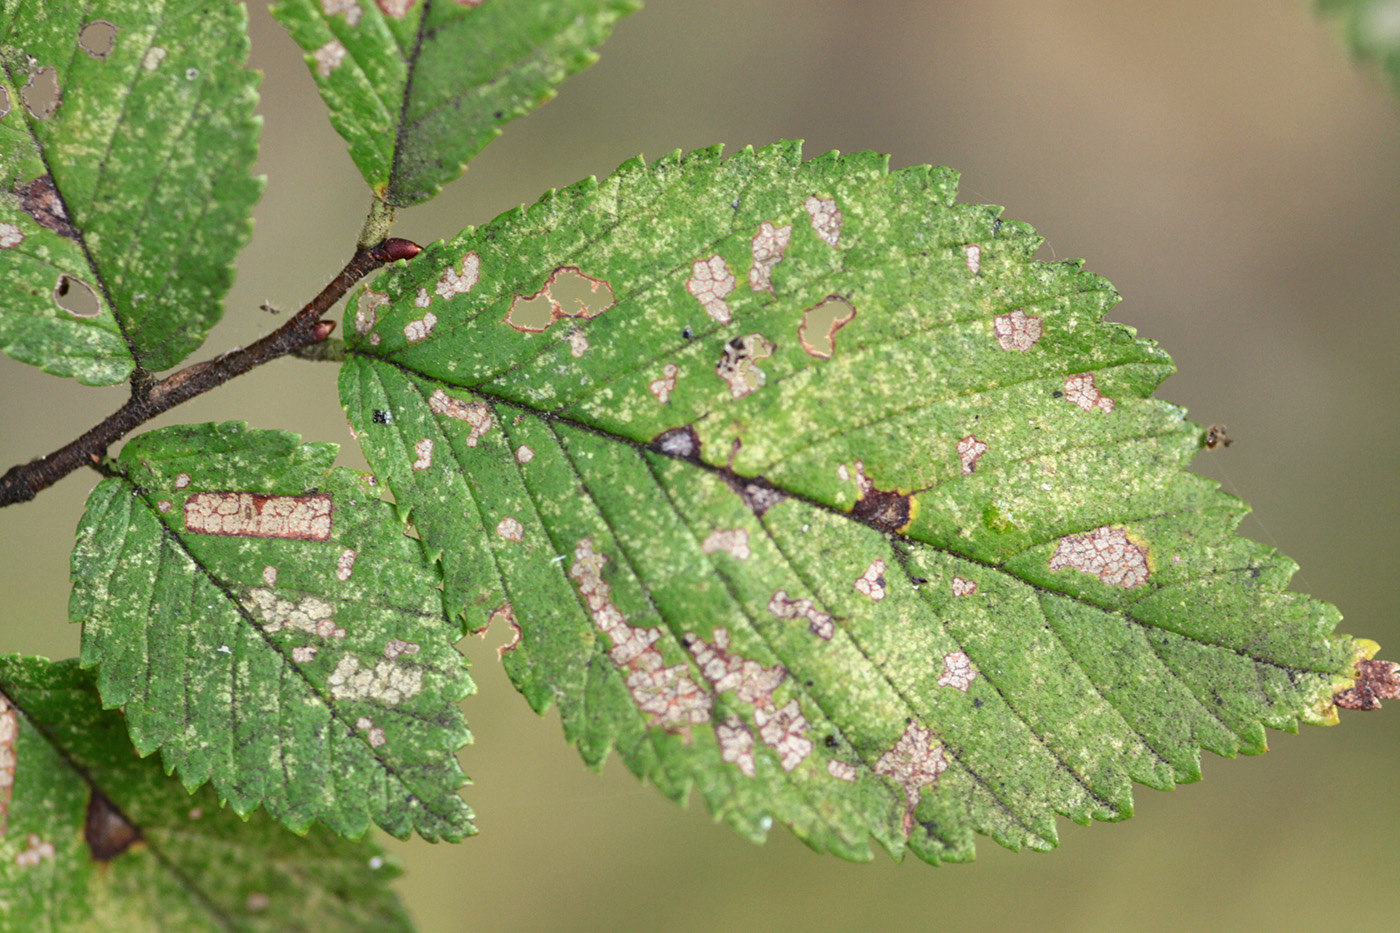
[
  {"x": 806, "y": 487},
  {"x": 126, "y": 143},
  {"x": 264, "y": 622},
  {"x": 419, "y": 88},
  {"x": 91, "y": 836}
]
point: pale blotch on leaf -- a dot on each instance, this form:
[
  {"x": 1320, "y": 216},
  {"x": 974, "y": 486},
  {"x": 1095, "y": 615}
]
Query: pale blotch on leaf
[
  {"x": 725, "y": 670},
  {"x": 41, "y": 95},
  {"x": 667, "y": 694},
  {"x": 182, "y": 480},
  {"x": 345, "y": 565},
  {"x": 476, "y": 414},
  {"x": 739, "y": 368},
  {"x": 711, "y": 282},
  {"x": 826, "y": 218},
  {"x": 578, "y": 343},
  {"x": 424, "y": 450},
  {"x": 164, "y": 505},
  {"x": 304, "y": 654},
  {"x": 328, "y": 57},
  {"x": 972, "y": 256},
  {"x": 736, "y": 744},
  {"x": 98, "y": 38},
  {"x": 309, "y": 614},
  {"x": 818, "y": 623},
  {"x": 963, "y": 587},
  {"x": 768, "y": 246},
  {"x": 1017, "y": 330},
  {"x": 10, "y": 236},
  {"x": 915, "y": 761},
  {"x": 76, "y": 297},
  {"x": 957, "y": 671},
  {"x": 397, "y": 646},
  {"x": 395, "y": 9},
  {"x": 1081, "y": 390},
  {"x": 250, "y": 515},
  {"x": 257, "y": 902},
  {"x": 872, "y": 582},
  {"x": 524, "y": 454},
  {"x": 511, "y": 529},
  {"x": 350, "y": 9},
  {"x": 969, "y": 450},
  {"x": 841, "y": 770},
  {"x": 1107, "y": 553},
  {"x": 269, "y": 575},
  {"x": 734, "y": 542},
  {"x": 820, "y": 324},
  {"x": 35, "y": 851},
  {"x": 420, "y": 329},
  {"x": 9, "y": 735},
  {"x": 153, "y": 57},
  {"x": 367, "y": 310},
  {"x": 387, "y": 683},
  {"x": 663, "y": 387},
  {"x": 453, "y": 282},
  {"x": 567, "y": 294}
]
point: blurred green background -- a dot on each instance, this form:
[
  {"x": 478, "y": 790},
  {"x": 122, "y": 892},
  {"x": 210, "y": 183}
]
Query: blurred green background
[{"x": 1223, "y": 164}]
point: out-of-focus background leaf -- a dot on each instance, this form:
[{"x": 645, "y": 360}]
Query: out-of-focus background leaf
[{"x": 1226, "y": 166}]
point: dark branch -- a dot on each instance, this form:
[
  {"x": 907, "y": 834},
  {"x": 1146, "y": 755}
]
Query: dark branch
[{"x": 23, "y": 482}]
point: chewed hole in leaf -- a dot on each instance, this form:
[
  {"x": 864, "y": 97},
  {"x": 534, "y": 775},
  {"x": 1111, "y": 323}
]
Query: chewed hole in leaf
[
  {"x": 568, "y": 293},
  {"x": 41, "y": 94},
  {"x": 98, "y": 38},
  {"x": 76, "y": 297},
  {"x": 820, "y": 324}
]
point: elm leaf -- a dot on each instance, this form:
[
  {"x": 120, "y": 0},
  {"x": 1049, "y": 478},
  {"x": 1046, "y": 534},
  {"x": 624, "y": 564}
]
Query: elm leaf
[
  {"x": 804, "y": 486},
  {"x": 93, "y": 836},
  {"x": 419, "y": 88},
  {"x": 126, "y": 145},
  {"x": 265, "y": 622}
]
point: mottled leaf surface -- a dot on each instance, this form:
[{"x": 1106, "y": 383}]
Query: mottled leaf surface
[
  {"x": 418, "y": 87},
  {"x": 264, "y": 621},
  {"x": 94, "y": 837},
  {"x": 934, "y": 571},
  {"x": 1372, "y": 29},
  {"x": 126, "y": 144}
]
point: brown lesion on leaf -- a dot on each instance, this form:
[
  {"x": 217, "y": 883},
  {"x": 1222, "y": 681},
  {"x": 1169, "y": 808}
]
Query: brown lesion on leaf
[
  {"x": 739, "y": 367},
  {"x": 1216, "y": 437},
  {"x": 1375, "y": 681},
  {"x": 106, "y": 829},
  {"x": 1108, "y": 553},
  {"x": 98, "y": 38},
  {"x": 820, "y": 324},
  {"x": 568, "y": 293},
  {"x": 39, "y": 199},
  {"x": 915, "y": 761},
  {"x": 682, "y": 443},
  {"x": 884, "y": 510},
  {"x": 504, "y": 614},
  {"x": 252, "y": 515}
]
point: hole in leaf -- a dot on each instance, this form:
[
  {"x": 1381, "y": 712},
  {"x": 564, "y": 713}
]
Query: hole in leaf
[
  {"x": 98, "y": 38},
  {"x": 820, "y": 324},
  {"x": 76, "y": 297},
  {"x": 568, "y": 293},
  {"x": 41, "y": 94},
  {"x": 533, "y": 314}
]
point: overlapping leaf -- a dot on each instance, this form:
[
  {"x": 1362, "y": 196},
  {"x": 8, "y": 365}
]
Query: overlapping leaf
[
  {"x": 268, "y": 626},
  {"x": 418, "y": 88},
  {"x": 806, "y": 487},
  {"x": 126, "y": 139},
  {"x": 1370, "y": 27},
  {"x": 92, "y": 837}
]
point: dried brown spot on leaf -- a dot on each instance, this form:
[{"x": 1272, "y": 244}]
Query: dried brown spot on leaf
[
  {"x": 725, "y": 670},
  {"x": 476, "y": 414},
  {"x": 818, "y": 623},
  {"x": 915, "y": 761},
  {"x": 736, "y": 744},
  {"x": 757, "y": 493},
  {"x": 1081, "y": 390},
  {"x": 39, "y": 199},
  {"x": 1017, "y": 330},
  {"x": 820, "y": 324},
  {"x": 872, "y": 582},
  {"x": 768, "y": 246},
  {"x": 884, "y": 510},
  {"x": 663, "y": 387},
  {"x": 1216, "y": 437},
  {"x": 826, "y": 218},
  {"x": 567, "y": 294},
  {"x": 682, "y": 443},
  {"x": 711, "y": 282},
  {"x": 957, "y": 671},
  {"x": 970, "y": 450},
  {"x": 785, "y": 731},
  {"x": 250, "y": 515},
  {"x": 731, "y": 541},
  {"x": 107, "y": 831},
  {"x": 41, "y": 94},
  {"x": 98, "y": 38},
  {"x": 1107, "y": 553},
  {"x": 738, "y": 365},
  {"x": 1375, "y": 681}
]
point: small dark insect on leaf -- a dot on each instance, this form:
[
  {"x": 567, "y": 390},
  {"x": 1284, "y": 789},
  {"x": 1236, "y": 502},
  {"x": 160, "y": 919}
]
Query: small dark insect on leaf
[
  {"x": 381, "y": 417},
  {"x": 1216, "y": 437}
]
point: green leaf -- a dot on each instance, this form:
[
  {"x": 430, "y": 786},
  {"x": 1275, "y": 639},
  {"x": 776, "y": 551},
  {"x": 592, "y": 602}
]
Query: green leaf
[
  {"x": 265, "y": 622},
  {"x": 806, "y": 487},
  {"x": 1372, "y": 30},
  {"x": 418, "y": 89},
  {"x": 91, "y": 836},
  {"x": 126, "y": 143}
]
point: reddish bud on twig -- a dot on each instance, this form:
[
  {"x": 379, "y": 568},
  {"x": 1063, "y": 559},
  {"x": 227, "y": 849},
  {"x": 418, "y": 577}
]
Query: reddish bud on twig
[
  {"x": 322, "y": 330},
  {"x": 396, "y": 248}
]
